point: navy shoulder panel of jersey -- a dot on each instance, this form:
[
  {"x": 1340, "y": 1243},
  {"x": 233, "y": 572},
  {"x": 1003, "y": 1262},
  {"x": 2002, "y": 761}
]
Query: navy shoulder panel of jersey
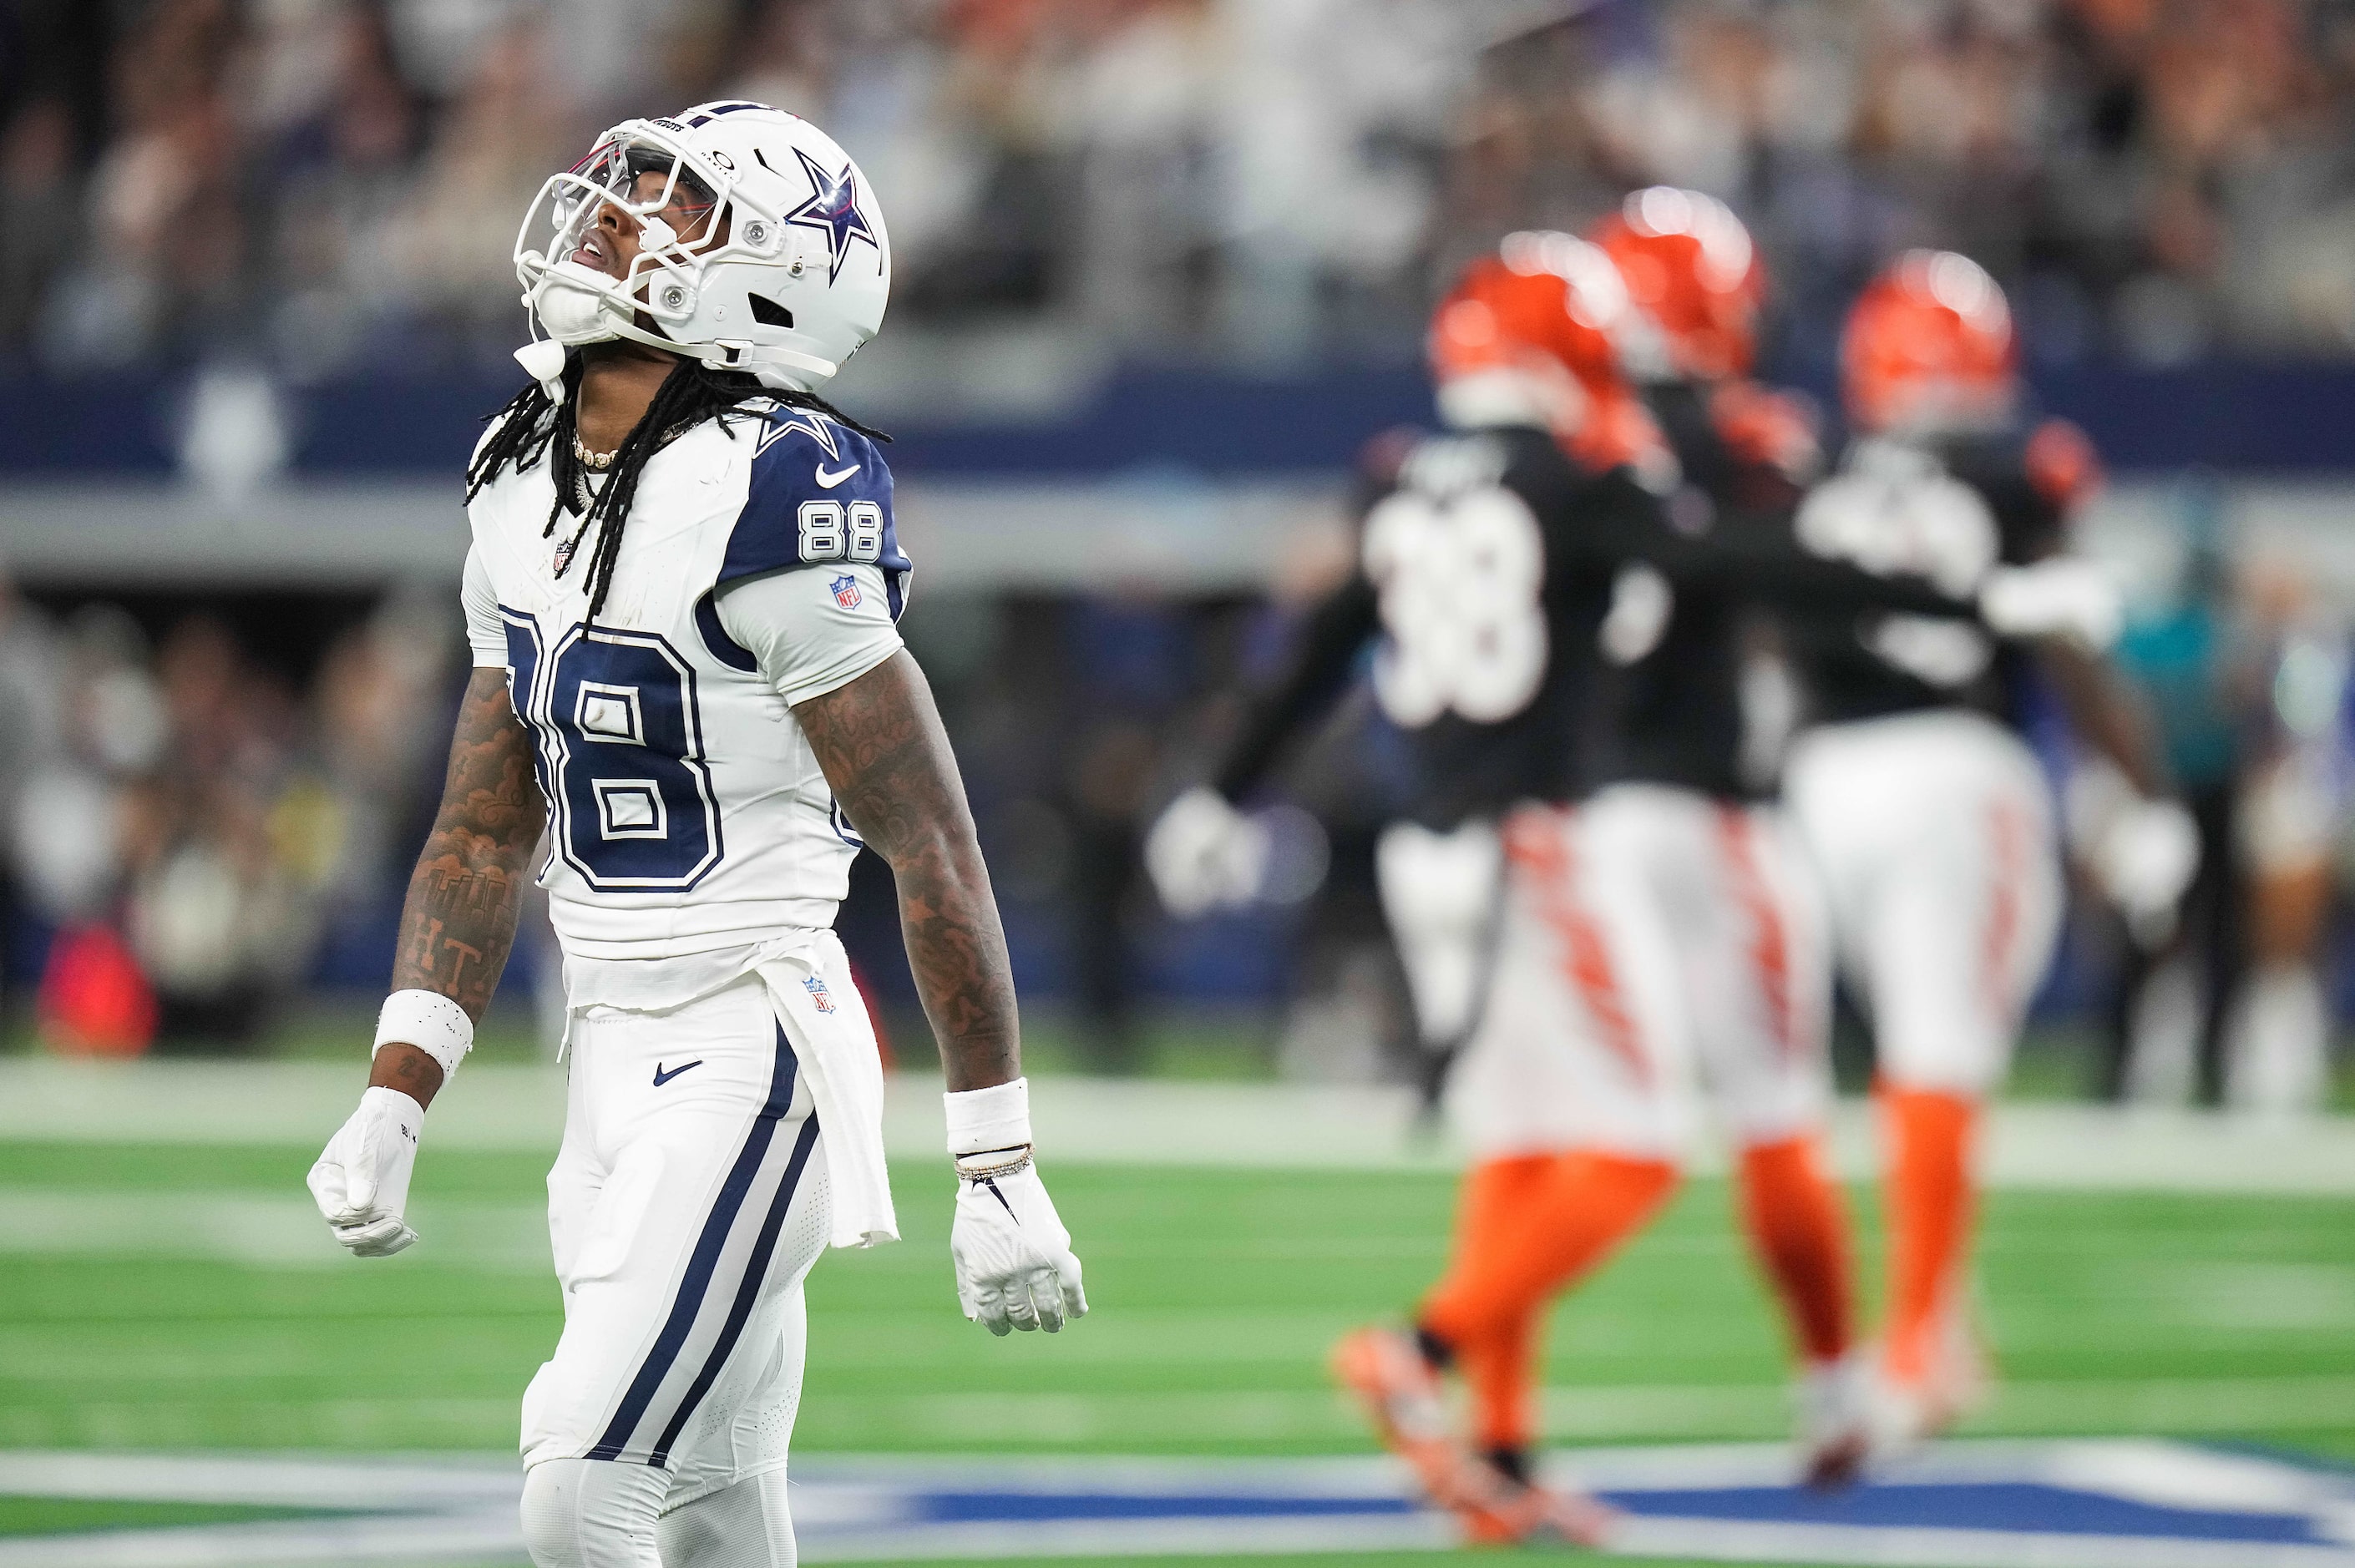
[
  {"x": 1999, "y": 465},
  {"x": 820, "y": 495}
]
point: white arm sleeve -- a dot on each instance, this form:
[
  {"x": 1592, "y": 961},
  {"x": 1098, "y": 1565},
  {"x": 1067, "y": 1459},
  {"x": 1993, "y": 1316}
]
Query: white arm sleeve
[
  {"x": 486, "y": 634},
  {"x": 812, "y": 628}
]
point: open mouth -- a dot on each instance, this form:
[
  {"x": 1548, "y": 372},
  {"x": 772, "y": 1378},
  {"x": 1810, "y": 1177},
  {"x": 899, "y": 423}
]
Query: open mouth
[{"x": 596, "y": 251}]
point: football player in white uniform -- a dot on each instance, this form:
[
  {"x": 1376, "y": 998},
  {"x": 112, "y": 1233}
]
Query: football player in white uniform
[{"x": 681, "y": 598}]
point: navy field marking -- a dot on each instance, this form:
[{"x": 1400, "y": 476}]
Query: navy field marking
[{"x": 2076, "y": 1503}]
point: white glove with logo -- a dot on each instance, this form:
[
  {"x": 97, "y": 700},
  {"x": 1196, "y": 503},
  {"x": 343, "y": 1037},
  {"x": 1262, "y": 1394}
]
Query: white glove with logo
[
  {"x": 1013, "y": 1263},
  {"x": 1013, "y": 1257},
  {"x": 2058, "y": 597},
  {"x": 1203, "y": 853},
  {"x": 361, "y": 1181}
]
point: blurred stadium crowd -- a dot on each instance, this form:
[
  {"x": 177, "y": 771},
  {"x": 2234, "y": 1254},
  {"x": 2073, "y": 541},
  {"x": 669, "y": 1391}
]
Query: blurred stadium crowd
[
  {"x": 189, "y": 828},
  {"x": 198, "y": 825},
  {"x": 335, "y": 183}
]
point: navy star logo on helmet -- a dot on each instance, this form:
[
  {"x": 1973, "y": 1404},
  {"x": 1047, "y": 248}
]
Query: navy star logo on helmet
[{"x": 833, "y": 207}]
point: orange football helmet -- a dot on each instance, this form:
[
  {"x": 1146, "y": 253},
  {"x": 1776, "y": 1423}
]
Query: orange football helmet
[
  {"x": 1689, "y": 265},
  {"x": 1532, "y": 334},
  {"x": 1928, "y": 343}
]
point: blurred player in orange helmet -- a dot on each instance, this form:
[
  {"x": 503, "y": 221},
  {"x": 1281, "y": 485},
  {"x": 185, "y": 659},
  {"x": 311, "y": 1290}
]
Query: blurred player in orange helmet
[
  {"x": 1537, "y": 331},
  {"x": 1928, "y": 347},
  {"x": 1686, "y": 820},
  {"x": 1691, "y": 266},
  {"x": 1485, "y": 572},
  {"x": 1930, "y": 820}
]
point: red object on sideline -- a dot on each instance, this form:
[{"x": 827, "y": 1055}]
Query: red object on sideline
[
  {"x": 95, "y": 1000},
  {"x": 875, "y": 1016}
]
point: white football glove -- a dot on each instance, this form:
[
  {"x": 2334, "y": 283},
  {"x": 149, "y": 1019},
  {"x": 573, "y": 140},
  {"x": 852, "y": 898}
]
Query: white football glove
[
  {"x": 1013, "y": 1257},
  {"x": 2145, "y": 859},
  {"x": 361, "y": 1181},
  {"x": 2059, "y": 596},
  {"x": 1203, "y": 853},
  {"x": 2142, "y": 852}
]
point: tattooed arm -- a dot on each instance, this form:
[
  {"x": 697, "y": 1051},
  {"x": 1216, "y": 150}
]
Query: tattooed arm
[
  {"x": 881, "y": 745},
  {"x": 460, "y": 917}
]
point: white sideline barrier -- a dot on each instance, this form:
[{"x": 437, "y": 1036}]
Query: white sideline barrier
[{"x": 1132, "y": 1121}]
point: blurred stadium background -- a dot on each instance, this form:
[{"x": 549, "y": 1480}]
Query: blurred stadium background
[{"x": 1163, "y": 266}]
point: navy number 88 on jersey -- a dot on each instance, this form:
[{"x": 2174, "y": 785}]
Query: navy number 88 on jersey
[{"x": 619, "y": 754}]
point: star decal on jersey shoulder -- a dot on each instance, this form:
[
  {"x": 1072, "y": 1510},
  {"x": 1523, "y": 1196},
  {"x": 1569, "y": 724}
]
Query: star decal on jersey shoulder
[{"x": 833, "y": 208}]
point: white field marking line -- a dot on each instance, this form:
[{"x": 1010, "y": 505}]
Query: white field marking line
[
  {"x": 2282, "y": 1403},
  {"x": 1417, "y": 1531},
  {"x": 1274, "y": 1126},
  {"x": 2192, "y": 1407},
  {"x": 259, "y": 1229},
  {"x": 396, "y": 1539},
  {"x": 252, "y": 1227},
  {"x": 260, "y": 1480},
  {"x": 1351, "y": 1475}
]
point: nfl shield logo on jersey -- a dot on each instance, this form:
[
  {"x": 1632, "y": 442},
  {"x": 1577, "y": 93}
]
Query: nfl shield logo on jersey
[
  {"x": 820, "y": 997},
  {"x": 845, "y": 591}
]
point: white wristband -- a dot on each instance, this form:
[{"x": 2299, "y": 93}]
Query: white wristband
[
  {"x": 429, "y": 1021},
  {"x": 996, "y": 1117}
]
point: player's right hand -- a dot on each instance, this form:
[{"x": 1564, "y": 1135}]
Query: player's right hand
[
  {"x": 361, "y": 1181},
  {"x": 1202, "y": 854}
]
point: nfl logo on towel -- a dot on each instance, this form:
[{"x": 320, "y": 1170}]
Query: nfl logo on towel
[
  {"x": 845, "y": 591},
  {"x": 815, "y": 985}
]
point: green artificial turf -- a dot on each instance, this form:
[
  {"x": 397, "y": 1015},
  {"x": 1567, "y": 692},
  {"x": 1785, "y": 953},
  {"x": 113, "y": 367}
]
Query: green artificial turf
[
  {"x": 61, "y": 1516},
  {"x": 1216, "y": 1294}
]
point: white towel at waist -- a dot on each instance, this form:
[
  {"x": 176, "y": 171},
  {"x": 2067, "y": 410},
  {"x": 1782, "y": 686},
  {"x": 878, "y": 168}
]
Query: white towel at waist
[{"x": 834, "y": 1042}]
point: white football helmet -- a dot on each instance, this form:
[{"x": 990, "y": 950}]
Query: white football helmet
[{"x": 785, "y": 279}]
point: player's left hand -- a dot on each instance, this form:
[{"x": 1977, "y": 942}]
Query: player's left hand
[
  {"x": 2058, "y": 597},
  {"x": 361, "y": 1181},
  {"x": 1203, "y": 854},
  {"x": 2145, "y": 859},
  {"x": 1014, "y": 1268}
]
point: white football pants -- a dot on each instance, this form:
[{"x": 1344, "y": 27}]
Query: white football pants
[
  {"x": 1652, "y": 940},
  {"x": 1934, "y": 834},
  {"x": 686, "y": 1206},
  {"x": 1440, "y": 895}
]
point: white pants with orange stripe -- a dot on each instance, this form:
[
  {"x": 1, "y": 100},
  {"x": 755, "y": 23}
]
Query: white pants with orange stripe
[
  {"x": 1933, "y": 835},
  {"x": 1653, "y": 940},
  {"x": 686, "y": 1206}
]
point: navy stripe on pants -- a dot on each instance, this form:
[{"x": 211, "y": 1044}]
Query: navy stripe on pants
[{"x": 704, "y": 1260}]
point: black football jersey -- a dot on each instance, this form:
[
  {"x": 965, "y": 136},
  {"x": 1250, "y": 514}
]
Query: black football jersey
[
  {"x": 1675, "y": 698},
  {"x": 1947, "y": 510},
  {"x": 1486, "y": 576}
]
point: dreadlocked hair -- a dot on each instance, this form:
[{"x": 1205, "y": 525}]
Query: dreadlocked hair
[{"x": 532, "y": 427}]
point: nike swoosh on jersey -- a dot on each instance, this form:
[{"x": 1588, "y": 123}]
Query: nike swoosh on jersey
[
  {"x": 828, "y": 481},
  {"x": 662, "y": 1077}
]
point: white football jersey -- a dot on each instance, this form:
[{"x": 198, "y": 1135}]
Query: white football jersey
[{"x": 758, "y": 568}]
